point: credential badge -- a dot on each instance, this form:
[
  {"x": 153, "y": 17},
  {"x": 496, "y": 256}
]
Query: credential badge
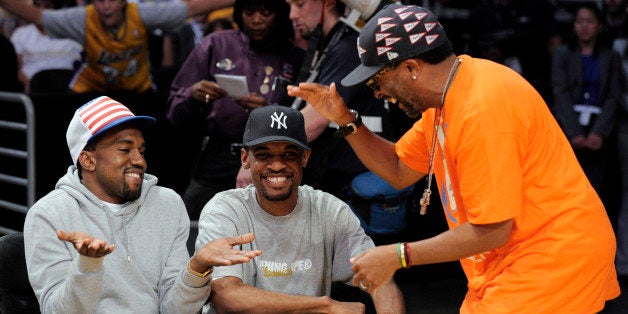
[{"x": 225, "y": 64}]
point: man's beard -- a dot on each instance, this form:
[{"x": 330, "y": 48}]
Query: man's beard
[
  {"x": 306, "y": 35},
  {"x": 411, "y": 111},
  {"x": 128, "y": 195},
  {"x": 279, "y": 197},
  {"x": 409, "y": 103},
  {"x": 310, "y": 33}
]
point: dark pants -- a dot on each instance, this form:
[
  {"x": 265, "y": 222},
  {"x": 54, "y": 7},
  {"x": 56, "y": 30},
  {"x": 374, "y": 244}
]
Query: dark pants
[
  {"x": 600, "y": 167},
  {"x": 197, "y": 195},
  {"x": 216, "y": 171}
]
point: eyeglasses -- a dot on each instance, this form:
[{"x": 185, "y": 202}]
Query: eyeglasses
[{"x": 373, "y": 82}]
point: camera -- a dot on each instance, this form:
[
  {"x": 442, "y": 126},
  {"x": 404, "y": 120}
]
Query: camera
[
  {"x": 366, "y": 8},
  {"x": 362, "y": 10}
]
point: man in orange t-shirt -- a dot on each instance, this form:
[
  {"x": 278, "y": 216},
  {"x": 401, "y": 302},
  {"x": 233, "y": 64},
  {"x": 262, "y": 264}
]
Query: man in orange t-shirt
[{"x": 529, "y": 230}]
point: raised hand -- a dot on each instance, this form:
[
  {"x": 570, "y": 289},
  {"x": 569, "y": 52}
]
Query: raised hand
[
  {"x": 86, "y": 244},
  {"x": 324, "y": 99},
  {"x": 220, "y": 252}
]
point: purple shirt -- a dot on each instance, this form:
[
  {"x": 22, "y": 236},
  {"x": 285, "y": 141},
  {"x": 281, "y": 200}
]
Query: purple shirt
[{"x": 225, "y": 119}]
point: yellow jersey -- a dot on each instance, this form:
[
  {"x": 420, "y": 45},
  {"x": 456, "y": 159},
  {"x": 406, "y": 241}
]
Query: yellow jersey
[{"x": 115, "y": 62}]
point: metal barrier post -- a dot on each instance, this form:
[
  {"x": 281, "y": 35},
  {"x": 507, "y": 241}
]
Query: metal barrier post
[{"x": 29, "y": 154}]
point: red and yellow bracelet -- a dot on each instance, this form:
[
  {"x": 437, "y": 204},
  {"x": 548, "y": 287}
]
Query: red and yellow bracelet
[
  {"x": 401, "y": 254},
  {"x": 407, "y": 247}
]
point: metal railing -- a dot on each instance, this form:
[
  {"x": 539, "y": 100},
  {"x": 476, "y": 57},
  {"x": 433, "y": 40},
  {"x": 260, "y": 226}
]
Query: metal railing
[{"x": 27, "y": 127}]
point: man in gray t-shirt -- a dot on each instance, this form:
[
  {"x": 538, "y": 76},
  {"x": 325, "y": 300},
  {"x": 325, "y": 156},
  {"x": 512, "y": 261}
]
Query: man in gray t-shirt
[{"x": 306, "y": 236}]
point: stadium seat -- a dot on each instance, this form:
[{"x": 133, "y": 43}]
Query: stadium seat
[{"x": 16, "y": 294}]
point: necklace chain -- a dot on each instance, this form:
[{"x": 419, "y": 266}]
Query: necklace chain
[{"x": 425, "y": 199}]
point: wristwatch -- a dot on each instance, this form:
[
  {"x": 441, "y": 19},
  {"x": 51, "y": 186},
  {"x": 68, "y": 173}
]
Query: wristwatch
[
  {"x": 197, "y": 274},
  {"x": 351, "y": 127}
]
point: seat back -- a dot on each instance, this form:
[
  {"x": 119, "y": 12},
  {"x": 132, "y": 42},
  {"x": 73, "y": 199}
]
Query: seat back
[
  {"x": 16, "y": 293},
  {"x": 51, "y": 81}
]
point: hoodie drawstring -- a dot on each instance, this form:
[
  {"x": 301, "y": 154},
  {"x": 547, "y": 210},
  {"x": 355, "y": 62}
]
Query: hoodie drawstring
[{"x": 125, "y": 238}]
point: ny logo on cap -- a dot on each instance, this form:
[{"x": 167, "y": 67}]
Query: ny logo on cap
[{"x": 280, "y": 119}]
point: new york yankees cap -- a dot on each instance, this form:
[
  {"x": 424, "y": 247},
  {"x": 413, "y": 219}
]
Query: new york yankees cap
[
  {"x": 275, "y": 124},
  {"x": 395, "y": 33},
  {"x": 96, "y": 117}
]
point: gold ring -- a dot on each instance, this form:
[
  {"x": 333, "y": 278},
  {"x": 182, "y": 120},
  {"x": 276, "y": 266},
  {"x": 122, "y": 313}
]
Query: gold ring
[
  {"x": 362, "y": 286},
  {"x": 206, "y": 98}
]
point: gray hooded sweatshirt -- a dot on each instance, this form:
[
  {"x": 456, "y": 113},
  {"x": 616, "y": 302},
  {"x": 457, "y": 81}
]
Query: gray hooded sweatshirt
[{"x": 145, "y": 273}]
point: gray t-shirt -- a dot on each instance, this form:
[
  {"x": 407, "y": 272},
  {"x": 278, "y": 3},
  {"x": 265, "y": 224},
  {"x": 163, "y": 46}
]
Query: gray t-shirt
[
  {"x": 70, "y": 23},
  {"x": 302, "y": 252}
]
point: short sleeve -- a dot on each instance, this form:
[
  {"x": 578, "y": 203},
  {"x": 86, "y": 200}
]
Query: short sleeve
[{"x": 413, "y": 149}]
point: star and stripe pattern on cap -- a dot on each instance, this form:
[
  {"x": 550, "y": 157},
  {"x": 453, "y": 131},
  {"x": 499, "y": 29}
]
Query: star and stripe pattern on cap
[
  {"x": 410, "y": 21},
  {"x": 101, "y": 111}
]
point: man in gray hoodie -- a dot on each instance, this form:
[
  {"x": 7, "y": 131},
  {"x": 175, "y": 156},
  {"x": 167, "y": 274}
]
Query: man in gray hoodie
[{"x": 108, "y": 239}]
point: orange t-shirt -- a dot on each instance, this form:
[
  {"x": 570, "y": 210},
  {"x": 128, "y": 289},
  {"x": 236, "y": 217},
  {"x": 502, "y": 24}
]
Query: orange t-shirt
[{"x": 507, "y": 158}]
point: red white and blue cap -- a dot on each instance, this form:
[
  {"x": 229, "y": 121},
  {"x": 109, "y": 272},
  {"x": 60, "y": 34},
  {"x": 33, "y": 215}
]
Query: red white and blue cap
[
  {"x": 96, "y": 117},
  {"x": 395, "y": 33}
]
